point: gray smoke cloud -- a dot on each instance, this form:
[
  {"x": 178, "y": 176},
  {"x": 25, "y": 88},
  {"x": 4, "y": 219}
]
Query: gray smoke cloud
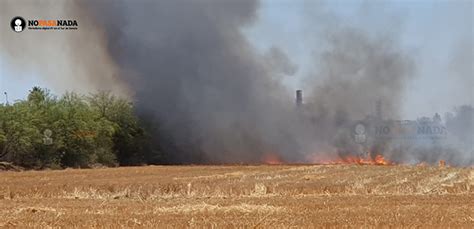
[
  {"x": 352, "y": 74},
  {"x": 277, "y": 60},
  {"x": 356, "y": 66},
  {"x": 189, "y": 64},
  {"x": 357, "y": 70}
]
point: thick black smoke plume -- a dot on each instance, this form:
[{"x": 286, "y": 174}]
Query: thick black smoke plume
[{"x": 188, "y": 63}]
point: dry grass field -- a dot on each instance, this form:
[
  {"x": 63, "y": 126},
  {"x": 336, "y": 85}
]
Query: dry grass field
[{"x": 265, "y": 196}]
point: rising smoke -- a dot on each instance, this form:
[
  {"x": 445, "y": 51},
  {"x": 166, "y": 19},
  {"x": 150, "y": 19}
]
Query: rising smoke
[
  {"x": 352, "y": 74},
  {"x": 214, "y": 97},
  {"x": 189, "y": 64}
]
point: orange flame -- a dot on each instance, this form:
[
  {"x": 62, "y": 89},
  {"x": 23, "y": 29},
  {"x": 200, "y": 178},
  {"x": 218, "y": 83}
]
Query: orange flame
[
  {"x": 377, "y": 160},
  {"x": 272, "y": 159},
  {"x": 380, "y": 160},
  {"x": 442, "y": 163},
  {"x": 275, "y": 159}
]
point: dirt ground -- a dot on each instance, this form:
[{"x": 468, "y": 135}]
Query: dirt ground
[{"x": 278, "y": 196}]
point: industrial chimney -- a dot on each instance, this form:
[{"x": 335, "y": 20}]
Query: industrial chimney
[{"x": 299, "y": 98}]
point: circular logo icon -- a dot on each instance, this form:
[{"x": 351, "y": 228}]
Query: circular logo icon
[
  {"x": 47, "y": 140},
  {"x": 48, "y": 133},
  {"x": 360, "y": 133},
  {"x": 18, "y": 24},
  {"x": 360, "y": 129}
]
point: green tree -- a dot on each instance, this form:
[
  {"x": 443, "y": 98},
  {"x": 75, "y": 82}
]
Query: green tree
[
  {"x": 71, "y": 131},
  {"x": 129, "y": 136},
  {"x": 82, "y": 136},
  {"x": 21, "y": 126}
]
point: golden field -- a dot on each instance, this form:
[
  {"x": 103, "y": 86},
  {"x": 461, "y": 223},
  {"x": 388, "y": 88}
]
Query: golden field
[{"x": 263, "y": 196}]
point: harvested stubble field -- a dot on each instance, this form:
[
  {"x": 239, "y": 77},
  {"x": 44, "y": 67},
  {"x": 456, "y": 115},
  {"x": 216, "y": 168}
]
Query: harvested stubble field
[{"x": 240, "y": 196}]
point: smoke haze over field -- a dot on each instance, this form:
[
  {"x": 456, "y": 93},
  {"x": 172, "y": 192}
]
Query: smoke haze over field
[{"x": 215, "y": 96}]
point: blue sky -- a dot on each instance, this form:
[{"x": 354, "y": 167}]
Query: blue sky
[
  {"x": 429, "y": 30},
  {"x": 16, "y": 84}
]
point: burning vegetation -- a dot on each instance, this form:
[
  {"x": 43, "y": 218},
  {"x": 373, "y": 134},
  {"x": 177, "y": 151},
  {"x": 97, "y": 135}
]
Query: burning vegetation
[{"x": 377, "y": 160}]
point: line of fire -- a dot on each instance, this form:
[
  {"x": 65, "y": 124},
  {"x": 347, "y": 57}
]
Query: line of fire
[{"x": 375, "y": 137}]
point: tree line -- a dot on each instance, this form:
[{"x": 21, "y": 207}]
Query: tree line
[
  {"x": 46, "y": 131},
  {"x": 74, "y": 130}
]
